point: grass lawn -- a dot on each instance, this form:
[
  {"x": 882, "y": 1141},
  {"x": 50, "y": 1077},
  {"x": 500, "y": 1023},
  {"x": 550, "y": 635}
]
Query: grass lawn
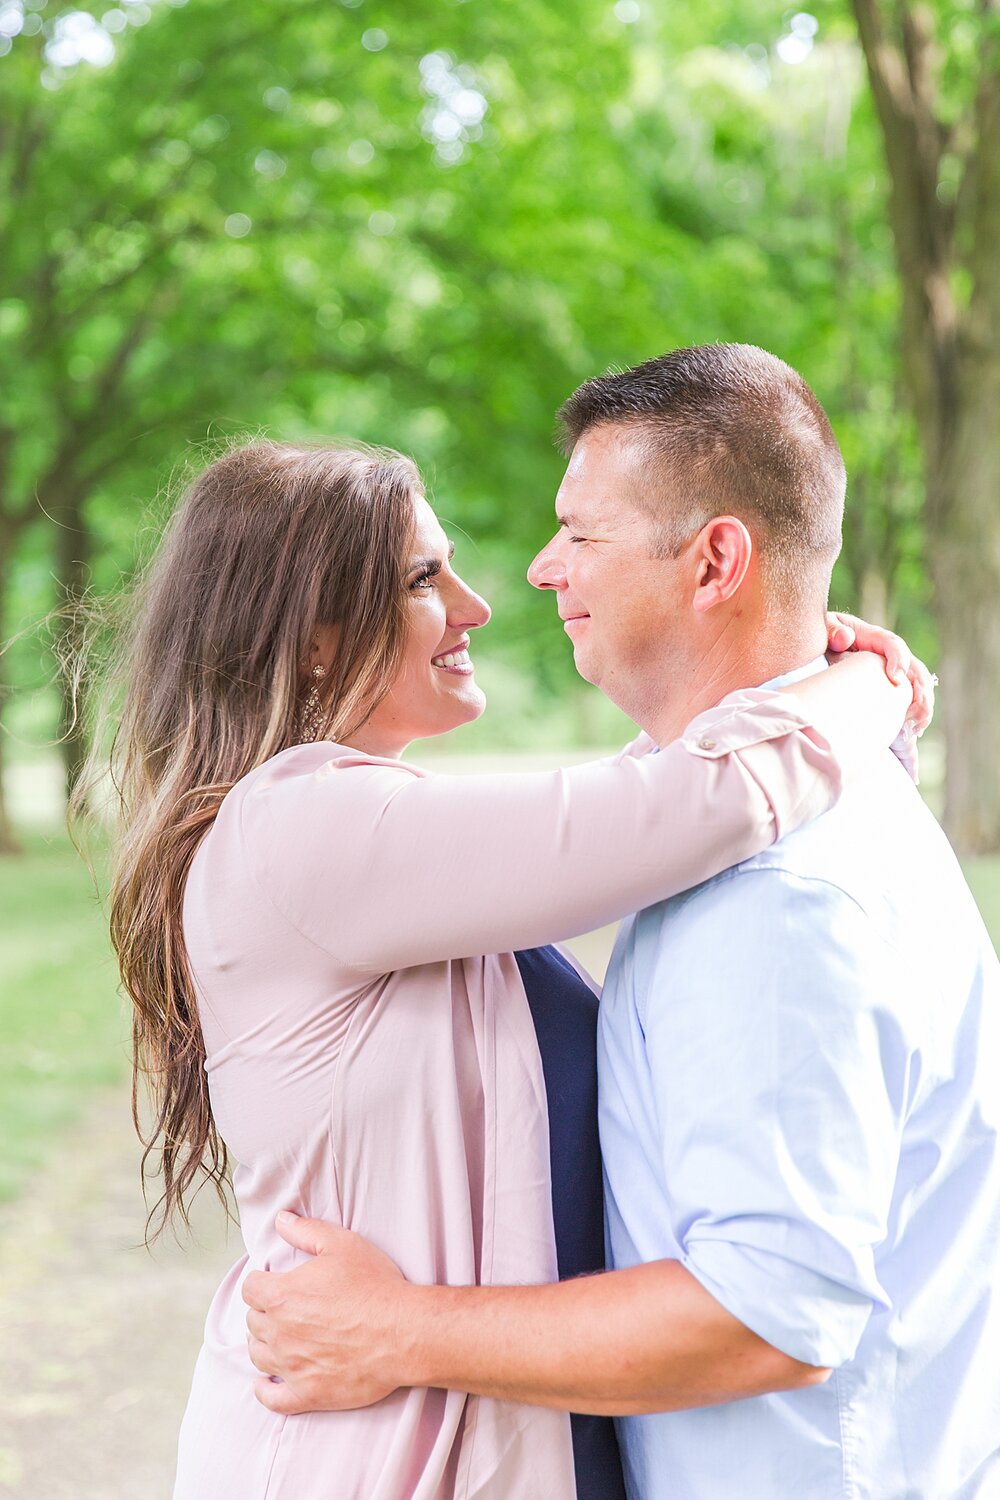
[
  {"x": 61, "y": 1022},
  {"x": 61, "y": 1027}
]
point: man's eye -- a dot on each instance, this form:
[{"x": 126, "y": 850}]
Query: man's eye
[{"x": 578, "y": 538}]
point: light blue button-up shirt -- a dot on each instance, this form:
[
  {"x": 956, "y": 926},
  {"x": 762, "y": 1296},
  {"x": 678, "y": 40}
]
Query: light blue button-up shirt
[{"x": 799, "y": 1071}]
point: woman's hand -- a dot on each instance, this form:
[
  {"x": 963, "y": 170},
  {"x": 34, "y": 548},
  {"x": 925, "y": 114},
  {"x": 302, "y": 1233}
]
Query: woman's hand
[{"x": 848, "y": 633}]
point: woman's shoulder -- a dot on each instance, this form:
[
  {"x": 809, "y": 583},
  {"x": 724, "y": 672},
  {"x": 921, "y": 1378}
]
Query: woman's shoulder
[
  {"x": 305, "y": 802},
  {"x": 298, "y": 829},
  {"x": 317, "y": 770}
]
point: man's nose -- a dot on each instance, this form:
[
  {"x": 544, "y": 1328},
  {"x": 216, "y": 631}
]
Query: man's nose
[{"x": 547, "y": 571}]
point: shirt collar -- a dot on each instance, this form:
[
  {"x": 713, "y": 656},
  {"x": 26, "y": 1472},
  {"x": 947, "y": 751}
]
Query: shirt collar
[{"x": 798, "y": 674}]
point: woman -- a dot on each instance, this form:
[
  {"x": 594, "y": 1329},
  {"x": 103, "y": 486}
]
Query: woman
[{"x": 302, "y": 920}]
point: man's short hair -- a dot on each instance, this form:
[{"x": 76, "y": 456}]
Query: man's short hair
[{"x": 727, "y": 429}]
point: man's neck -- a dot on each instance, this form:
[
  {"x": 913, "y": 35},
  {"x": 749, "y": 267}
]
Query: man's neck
[{"x": 723, "y": 670}]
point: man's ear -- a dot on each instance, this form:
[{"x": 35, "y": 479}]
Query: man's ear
[{"x": 723, "y": 549}]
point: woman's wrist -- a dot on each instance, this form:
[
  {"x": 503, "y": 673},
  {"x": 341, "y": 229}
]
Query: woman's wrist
[{"x": 854, "y": 705}]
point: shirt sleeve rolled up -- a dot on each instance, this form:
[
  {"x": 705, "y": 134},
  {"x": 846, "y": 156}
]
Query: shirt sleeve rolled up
[{"x": 780, "y": 1078}]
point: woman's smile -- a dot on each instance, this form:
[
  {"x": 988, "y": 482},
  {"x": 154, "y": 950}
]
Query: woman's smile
[{"x": 455, "y": 660}]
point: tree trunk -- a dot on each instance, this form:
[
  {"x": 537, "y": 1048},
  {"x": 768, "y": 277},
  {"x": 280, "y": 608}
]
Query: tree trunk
[
  {"x": 8, "y": 840},
  {"x": 964, "y": 548},
  {"x": 873, "y": 597},
  {"x": 951, "y": 353},
  {"x": 74, "y": 548}
]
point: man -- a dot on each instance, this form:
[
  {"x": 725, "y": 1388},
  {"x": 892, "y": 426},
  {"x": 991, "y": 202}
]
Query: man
[{"x": 798, "y": 1059}]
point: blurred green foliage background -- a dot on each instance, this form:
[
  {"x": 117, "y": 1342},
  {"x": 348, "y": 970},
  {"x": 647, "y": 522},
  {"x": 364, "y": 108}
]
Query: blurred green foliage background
[{"x": 424, "y": 225}]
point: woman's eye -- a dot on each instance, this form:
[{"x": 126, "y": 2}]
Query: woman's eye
[{"x": 423, "y": 581}]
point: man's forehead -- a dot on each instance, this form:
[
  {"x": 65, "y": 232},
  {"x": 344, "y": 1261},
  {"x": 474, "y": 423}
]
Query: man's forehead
[
  {"x": 577, "y": 460},
  {"x": 606, "y": 451},
  {"x": 600, "y": 477}
]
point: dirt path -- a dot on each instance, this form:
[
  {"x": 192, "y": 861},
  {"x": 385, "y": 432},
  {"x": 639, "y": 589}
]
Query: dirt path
[{"x": 98, "y": 1337}]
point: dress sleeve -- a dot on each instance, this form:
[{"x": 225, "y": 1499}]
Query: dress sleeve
[
  {"x": 385, "y": 866},
  {"x": 780, "y": 1074}
]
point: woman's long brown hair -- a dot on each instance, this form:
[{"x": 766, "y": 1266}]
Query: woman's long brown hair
[{"x": 269, "y": 542}]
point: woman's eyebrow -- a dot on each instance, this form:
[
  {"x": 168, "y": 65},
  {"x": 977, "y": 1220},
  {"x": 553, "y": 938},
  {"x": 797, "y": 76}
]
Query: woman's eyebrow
[{"x": 431, "y": 564}]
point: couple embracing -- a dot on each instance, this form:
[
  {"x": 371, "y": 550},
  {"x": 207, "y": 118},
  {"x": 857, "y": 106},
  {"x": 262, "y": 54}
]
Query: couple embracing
[{"x": 732, "y": 1235}]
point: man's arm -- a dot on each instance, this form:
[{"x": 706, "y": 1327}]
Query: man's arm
[
  {"x": 345, "y": 1329},
  {"x": 771, "y": 1034}
]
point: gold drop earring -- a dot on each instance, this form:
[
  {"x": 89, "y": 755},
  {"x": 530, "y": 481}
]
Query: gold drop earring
[{"x": 311, "y": 714}]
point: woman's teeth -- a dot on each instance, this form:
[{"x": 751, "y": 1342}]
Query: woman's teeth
[{"x": 453, "y": 659}]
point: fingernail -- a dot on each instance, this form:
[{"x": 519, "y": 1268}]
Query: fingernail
[{"x": 284, "y": 1217}]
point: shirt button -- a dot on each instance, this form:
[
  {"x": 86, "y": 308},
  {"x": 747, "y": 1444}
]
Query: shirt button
[{"x": 706, "y": 744}]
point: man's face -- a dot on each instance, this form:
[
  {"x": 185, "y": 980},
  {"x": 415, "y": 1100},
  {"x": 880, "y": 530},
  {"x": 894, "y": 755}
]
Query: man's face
[{"x": 620, "y": 604}]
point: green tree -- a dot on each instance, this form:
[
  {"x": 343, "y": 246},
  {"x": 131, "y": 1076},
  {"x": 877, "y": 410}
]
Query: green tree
[
  {"x": 935, "y": 78},
  {"x": 200, "y": 234},
  {"x": 760, "y": 142},
  {"x": 426, "y": 227},
  {"x": 131, "y": 308},
  {"x": 288, "y": 216}
]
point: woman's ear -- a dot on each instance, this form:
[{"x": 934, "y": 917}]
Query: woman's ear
[
  {"x": 323, "y": 647},
  {"x": 724, "y": 549}
]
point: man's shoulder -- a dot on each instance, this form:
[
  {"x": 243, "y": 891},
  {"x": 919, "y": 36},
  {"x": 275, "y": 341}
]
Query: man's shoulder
[
  {"x": 871, "y": 890},
  {"x": 879, "y": 848},
  {"x": 877, "y": 836}
]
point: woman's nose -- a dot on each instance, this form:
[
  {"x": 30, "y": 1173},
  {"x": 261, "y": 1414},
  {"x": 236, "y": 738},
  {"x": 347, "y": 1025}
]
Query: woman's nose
[{"x": 470, "y": 609}]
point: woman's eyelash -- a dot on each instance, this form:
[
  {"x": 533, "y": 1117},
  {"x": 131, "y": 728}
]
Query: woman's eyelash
[{"x": 421, "y": 579}]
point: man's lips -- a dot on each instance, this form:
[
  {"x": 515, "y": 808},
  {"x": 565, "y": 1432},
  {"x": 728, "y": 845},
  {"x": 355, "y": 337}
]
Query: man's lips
[{"x": 571, "y": 620}]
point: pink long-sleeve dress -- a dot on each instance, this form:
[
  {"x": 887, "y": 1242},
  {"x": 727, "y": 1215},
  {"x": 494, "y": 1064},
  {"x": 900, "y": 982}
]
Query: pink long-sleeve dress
[{"x": 350, "y": 923}]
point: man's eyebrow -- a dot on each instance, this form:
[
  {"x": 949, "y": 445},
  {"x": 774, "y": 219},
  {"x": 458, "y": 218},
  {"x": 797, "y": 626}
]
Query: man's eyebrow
[{"x": 567, "y": 519}]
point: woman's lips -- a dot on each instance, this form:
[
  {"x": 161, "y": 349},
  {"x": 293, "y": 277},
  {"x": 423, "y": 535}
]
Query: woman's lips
[{"x": 457, "y": 662}]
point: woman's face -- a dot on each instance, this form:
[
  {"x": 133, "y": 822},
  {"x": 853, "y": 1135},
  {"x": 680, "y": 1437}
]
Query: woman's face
[{"x": 436, "y": 687}]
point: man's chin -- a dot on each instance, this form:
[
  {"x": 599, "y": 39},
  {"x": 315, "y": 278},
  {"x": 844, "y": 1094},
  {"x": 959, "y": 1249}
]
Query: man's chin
[{"x": 584, "y": 666}]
